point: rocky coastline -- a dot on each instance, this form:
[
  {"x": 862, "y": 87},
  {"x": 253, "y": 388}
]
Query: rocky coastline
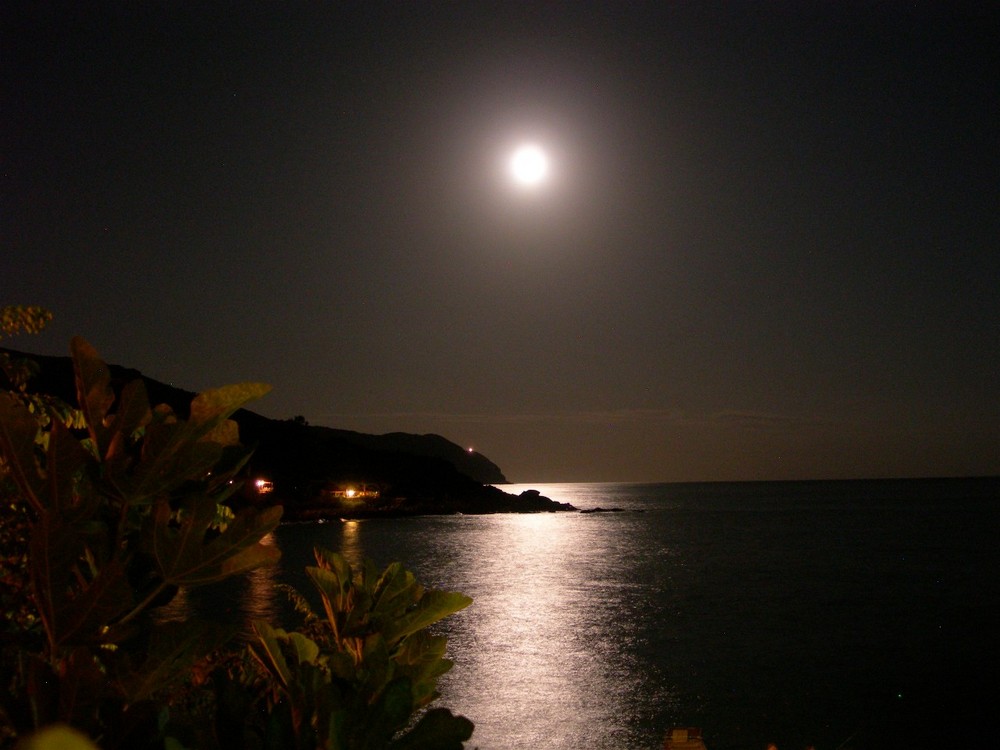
[
  {"x": 529, "y": 501},
  {"x": 318, "y": 472}
]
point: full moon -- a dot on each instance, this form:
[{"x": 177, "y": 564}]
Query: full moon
[{"x": 529, "y": 165}]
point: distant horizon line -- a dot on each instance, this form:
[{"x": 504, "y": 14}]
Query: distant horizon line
[{"x": 940, "y": 478}]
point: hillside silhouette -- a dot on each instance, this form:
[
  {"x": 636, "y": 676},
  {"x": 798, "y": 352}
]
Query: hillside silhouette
[{"x": 309, "y": 465}]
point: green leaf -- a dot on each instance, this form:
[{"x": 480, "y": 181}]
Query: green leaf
[
  {"x": 391, "y": 711},
  {"x": 268, "y": 652},
  {"x": 396, "y": 590},
  {"x": 274, "y": 647},
  {"x": 174, "y": 648},
  {"x": 336, "y": 564},
  {"x": 133, "y": 414},
  {"x": 374, "y": 666},
  {"x": 225, "y": 433},
  {"x": 210, "y": 407},
  {"x": 82, "y": 686},
  {"x": 69, "y": 493},
  {"x": 335, "y": 736},
  {"x": 433, "y": 606},
  {"x": 185, "y": 557},
  {"x": 53, "y": 489},
  {"x": 175, "y": 451},
  {"x": 17, "y": 444},
  {"x": 421, "y": 658},
  {"x": 305, "y": 650},
  {"x": 333, "y": 595},
  {"x": 333, "y": 579},
  {"x": 159, "y": 470},
  {"x": 377, "y": 667},
  {"x": 93, "y": 391},
  {"x": 73, "y": 607},
  {"x": 195, "y": 460},
  {"x": 299, "y": 603},
  {"x": 98, "y": 603}
]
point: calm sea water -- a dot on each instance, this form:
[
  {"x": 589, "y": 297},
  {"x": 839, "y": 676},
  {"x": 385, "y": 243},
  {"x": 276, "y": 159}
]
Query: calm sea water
[{"x": 835, "y": 614}]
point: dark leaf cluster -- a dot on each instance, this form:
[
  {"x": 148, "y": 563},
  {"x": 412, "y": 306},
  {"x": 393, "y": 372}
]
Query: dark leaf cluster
[{"x": 105, "y": 518}]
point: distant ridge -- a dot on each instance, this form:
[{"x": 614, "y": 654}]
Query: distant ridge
[
  {"x": 56, "y": 377},
  {"x": 473, "y": 464},
  {"x": 422, "y": 473}
]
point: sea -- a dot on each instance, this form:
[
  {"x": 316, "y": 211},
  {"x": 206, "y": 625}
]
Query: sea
[{"x": 823, "y": 614}]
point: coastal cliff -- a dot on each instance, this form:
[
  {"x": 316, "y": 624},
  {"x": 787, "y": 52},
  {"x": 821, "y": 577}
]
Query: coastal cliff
[{"x": 318, "y": 472}]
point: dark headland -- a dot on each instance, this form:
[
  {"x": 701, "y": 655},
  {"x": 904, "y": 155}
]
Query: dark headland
[{"x": 319, "y": 472}]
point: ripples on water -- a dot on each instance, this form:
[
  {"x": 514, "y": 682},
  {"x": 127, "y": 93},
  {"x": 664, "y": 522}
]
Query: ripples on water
[{"x": 797, "y": 613}]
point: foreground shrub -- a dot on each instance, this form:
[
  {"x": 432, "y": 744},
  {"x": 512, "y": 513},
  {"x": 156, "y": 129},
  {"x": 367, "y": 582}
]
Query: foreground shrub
[
  {"x": 356, "y": 675},
  {"x": 105, "y": 516},
  {"x": 118, "y": 520}
]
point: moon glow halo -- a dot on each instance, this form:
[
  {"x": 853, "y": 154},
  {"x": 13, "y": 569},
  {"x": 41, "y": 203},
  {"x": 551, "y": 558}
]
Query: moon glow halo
[{"x": 529, "y": 165}]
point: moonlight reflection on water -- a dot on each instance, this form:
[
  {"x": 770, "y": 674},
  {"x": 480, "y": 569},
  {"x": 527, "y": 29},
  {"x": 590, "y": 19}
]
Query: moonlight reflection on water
[
  {"x": 794, "y": 613},
  {"x": 548, "y": 654},
  {"x": 535, "y": 663}
]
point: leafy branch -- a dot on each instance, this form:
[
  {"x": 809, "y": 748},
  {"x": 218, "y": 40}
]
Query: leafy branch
[
  {"x": 115, "y": 512},
  {"x": 358, "y": 676},
  {"x": 118, "y": 521}
]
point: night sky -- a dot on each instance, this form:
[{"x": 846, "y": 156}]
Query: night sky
[{"x": 768, "y": 246}]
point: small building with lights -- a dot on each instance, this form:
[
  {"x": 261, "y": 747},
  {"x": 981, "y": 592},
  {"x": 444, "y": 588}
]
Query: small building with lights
[{"x": 358, "y": 491}]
